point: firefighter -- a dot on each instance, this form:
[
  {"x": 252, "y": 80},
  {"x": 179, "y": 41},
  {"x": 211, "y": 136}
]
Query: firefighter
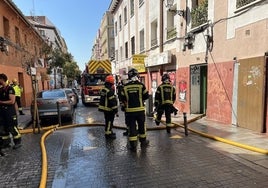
[
  {"x": 18, "y": 91},
  {"x": 133, "y": 95},
  {"x": 164, "y": 99},
  {"x": 8, "y": 116},
  {"x": 108, "y": 105},
  {"x": 120, "y": 87}
]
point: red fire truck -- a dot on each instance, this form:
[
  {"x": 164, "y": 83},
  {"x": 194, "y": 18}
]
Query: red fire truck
[{"x": 93, "y": 80}]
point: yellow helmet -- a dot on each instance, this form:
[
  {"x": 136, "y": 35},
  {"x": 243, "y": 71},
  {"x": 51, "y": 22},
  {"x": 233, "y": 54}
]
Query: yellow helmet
[{"x": 14, "y": 80}]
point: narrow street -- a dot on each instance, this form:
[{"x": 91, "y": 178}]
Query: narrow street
[{"x": 82, "y": 157}]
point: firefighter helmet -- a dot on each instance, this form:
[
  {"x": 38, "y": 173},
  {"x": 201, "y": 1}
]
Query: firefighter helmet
[
  {"x": 132, "y": 73},
  {"x": 109, "y": 79},
  {"x": 165, "y": 78}
]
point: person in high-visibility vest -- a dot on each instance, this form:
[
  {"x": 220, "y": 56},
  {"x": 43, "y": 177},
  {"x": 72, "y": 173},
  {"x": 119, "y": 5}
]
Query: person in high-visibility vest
[
  {"x": 108, "y": 105},
  {"x": 164, "y": 99},
  {"x": 134, "y": 95},
  {"x": 18, "y": 91},
  {"x": 8, "y": 116}
]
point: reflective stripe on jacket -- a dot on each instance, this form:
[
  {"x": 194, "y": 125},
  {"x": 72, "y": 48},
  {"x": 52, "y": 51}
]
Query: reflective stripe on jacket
[
  {"x": 133, "y": 95},
  {"x": 108, "y": 101},
  {"x": 165, "y": 94}
]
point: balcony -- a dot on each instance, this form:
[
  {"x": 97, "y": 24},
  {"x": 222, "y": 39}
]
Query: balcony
[
  {"x": 171, "y": 33},
  {"x": 241, "y": 3},
  {"x": 199, "y": 14},
  {"x": 154, "y": 42}
]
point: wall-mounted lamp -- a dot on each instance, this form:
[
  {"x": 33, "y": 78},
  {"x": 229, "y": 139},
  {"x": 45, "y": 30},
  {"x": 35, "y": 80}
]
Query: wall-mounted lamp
[{"x": 169, "y": 5}]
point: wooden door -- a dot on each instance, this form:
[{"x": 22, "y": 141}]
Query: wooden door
[{"x": 251, "y": 92}]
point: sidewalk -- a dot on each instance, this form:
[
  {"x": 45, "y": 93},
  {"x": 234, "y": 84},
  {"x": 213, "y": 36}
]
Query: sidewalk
[{"x": 24, "y": 120}]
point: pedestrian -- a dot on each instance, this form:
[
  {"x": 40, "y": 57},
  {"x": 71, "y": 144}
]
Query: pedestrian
[
  {"x": 134, "y": 95},
  {"x": 120, "y": 87},
  {"x": 18, "y": 91},
  {"x": 8, "y": 115},
  {"x": 164, "y": 99},
  {"x": 108, "y": 105}
]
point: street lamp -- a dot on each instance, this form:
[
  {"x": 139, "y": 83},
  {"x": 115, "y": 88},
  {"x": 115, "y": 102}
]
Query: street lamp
[{"x": 169, "y": 5}]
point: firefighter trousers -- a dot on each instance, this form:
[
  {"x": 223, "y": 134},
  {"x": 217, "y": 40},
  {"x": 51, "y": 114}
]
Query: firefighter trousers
[
  {"x": 8, "y": 123},
  {"x": 109, "y": 121},
  {"x": 136, "y": 119},
  {"x": 168, "y": 110}
]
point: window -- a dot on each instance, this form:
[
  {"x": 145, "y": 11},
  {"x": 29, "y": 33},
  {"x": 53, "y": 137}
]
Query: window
[
  {"x": 115, "y": 28},
  {"x": 141, "y": 2},
  {"x": 142, "y": 40},
  {"x": 131, "y": 8},
  {"x": 116, "y": 55},
  {"x": 25, "y": 39},
  {"x": 6, "y": 27},
  {"x": 126, "y": 50},
  {"x": 132, "y": 45},
  {"x": 120, "y": 22},
  {"x": 42, "y": 32},
  {"x": 17, "y": 35},
  {"x": 154, "y": 33},
  {"x": 125, "y": 15},
  {"x": 121, "y": 53},
  {"x": 171, "y": 28}
]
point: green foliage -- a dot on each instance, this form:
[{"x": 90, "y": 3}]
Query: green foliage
[
  {"x": 199, "y": 14},
  {"x": 71, "y": 70}
]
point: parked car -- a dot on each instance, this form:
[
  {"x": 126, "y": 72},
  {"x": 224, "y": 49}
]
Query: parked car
[
  {"x": 48, "y": 100},
  {"x": 76, "y": 93},
  {"x": 73, "y": 95}
]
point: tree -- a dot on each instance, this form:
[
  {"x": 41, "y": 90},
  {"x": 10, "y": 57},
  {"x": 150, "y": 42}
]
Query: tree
[{"x": 71, "y": 70}]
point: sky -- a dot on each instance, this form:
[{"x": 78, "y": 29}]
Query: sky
[{"x": 77, "y": 20}]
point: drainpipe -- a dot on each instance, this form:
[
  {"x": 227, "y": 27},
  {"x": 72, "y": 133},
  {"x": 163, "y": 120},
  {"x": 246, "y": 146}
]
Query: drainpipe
[{"x": 161, "y": 34}]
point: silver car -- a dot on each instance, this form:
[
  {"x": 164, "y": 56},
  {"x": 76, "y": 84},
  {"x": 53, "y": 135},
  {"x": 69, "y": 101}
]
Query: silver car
[{"x": 49, "y": 101}]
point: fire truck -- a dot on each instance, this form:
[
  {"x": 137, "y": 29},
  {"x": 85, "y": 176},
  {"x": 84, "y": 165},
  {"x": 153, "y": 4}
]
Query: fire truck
[{"x": 93, "y": 80}]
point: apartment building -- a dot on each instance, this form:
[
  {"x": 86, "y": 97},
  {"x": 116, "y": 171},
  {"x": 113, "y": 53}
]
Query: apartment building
[
  {"x": 51, "y": 34},
  {"x": 22, "y": 47},
  {"x": 107, "y": 36},
  {"x": 215, "y": 52}
]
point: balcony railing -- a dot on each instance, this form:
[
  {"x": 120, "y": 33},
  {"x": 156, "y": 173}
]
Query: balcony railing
[
  {"x": 154, "y": 42},
  {"x": 142, "y": 48},
  {"x": 200, "y": 14},
  {"x": 241, "y": 3},
  {"x": 171, "y": 33}
]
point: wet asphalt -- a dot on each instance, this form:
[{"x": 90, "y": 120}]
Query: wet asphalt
[{"x": 82, "y": 157}]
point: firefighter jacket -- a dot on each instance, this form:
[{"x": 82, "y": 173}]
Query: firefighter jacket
[
  {"x": 133, "y": 95},
  {"x": 108, "y": 100},
  {"x": 4, "y": 96},
  {"x": 18, "y": 90},
  {"x": 165, "y": 94}
]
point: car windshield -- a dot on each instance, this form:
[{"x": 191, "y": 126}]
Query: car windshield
[{"x": 51, "y": 94}]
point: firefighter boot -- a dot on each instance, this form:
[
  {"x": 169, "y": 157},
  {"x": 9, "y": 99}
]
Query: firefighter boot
[
  {"x": 125, "y": 133},
  {"x": 133, "y": 146},
  {"x": 110, "y": 136},
  {"x": 21, "y": 113},
  {"x": 17, "y": 143},
  {"x": 168, "y": 129},
  {"x": 144, "y": 142}
]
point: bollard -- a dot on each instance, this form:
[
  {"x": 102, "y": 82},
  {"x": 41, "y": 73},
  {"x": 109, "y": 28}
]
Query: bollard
[
  {"x": 59, "y": 115},
  {"x": 185, "y": 124}
]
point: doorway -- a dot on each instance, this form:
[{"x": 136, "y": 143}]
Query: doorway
[{"x": 198, "y": 78}]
